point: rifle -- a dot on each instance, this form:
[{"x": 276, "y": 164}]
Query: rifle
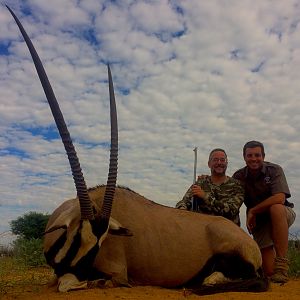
[{"x": 194, "y": 201}]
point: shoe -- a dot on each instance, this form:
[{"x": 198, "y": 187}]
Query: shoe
[{"x": 280, "y": 270}]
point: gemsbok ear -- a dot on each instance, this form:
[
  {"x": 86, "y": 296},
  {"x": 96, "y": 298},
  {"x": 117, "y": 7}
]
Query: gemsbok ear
[{"x": 116, "y": 228}]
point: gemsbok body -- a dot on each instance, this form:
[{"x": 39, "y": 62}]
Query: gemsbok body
[{"x": 111, "y": 234}]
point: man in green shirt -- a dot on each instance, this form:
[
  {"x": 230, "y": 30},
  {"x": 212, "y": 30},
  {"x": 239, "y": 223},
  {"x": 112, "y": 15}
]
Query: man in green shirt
[
  {"x": 217, "y": 194},
  {"x": 269, "y": 213}
]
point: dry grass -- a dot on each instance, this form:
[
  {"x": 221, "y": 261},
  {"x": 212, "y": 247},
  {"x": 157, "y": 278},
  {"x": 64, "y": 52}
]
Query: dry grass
[
  {"x": 15, "y": 278},
  {"x": 31, "y": 283}
]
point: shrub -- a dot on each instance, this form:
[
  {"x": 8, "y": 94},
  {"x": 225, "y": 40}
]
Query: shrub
[
  {"x": 30, "y": 225},
  {"x": 29, "y": 252},
  {"x": 294, "y": 257},
  {"x": 28, "y": 248}
]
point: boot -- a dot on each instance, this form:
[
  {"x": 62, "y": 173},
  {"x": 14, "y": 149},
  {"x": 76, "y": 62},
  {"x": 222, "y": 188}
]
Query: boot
[{"x": 281, "y": 268}]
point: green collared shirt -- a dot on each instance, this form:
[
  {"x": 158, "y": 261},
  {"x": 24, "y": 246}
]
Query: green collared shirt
[{"x": 269, "y": 181}]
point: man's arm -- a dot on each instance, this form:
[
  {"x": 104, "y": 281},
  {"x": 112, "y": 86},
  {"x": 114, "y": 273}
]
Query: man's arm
[
  {"x": 280, "y": 191},
  {"x": 186, "y": 203},
  {"x": 195, "y": 190},
  {"x": 263, "y": 206}
]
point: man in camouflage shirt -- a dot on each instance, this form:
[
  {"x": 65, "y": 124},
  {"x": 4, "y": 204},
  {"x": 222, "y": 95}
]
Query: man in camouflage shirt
[{"x": 217, "y": 194}]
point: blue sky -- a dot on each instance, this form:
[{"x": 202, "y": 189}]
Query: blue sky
[{"x": 187, "y": 74}]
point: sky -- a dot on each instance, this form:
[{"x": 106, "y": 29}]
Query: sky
[{"x": 205, "y": 74}]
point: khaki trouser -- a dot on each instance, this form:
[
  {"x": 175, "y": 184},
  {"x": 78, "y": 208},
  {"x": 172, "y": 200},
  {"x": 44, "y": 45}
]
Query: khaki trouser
[{"x": 263, "y": 234}]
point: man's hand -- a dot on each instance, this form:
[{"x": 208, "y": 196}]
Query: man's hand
[
  {"x": 251, "y": 221},
  {"x": 197, "y": 191}
]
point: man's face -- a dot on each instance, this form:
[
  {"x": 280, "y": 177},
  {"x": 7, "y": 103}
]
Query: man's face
[
  {"x": 218, "y": 163},
  {"x": 254, "y": 158}
]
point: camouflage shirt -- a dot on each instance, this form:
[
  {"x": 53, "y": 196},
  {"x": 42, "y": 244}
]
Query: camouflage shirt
[{"x": 220, "y": 200}]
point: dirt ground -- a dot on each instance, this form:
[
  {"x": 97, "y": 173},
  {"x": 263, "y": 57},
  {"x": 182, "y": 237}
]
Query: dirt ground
[{"x": 28, "y": 291}]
